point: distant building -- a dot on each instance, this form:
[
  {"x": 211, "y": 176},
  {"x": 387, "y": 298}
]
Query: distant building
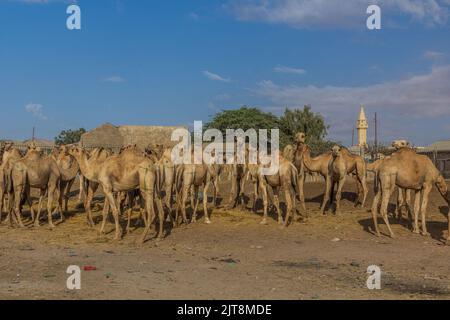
[
  {"x": 361, "y": 126},
  {"x": 115, "y": 137},
  {"x": 439, "y": 153}
]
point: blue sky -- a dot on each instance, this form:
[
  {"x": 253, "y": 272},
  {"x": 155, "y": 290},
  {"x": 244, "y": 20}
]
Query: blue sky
[{"x": 173, "y": 62}]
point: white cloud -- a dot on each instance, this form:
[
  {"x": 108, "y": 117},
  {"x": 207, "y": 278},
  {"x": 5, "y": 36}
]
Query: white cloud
[
  {"x": 421, "y": 95},
  {"x": 36, "y": 110},
  {"x": 336, "y": 13},
  {"x": 283, "y": 69},
  {"x": 433, "y": 55},
  {"x": 399, "y": 102},
  {"x": 214, "y": 76},
  {"x": 116, "y": 79}
]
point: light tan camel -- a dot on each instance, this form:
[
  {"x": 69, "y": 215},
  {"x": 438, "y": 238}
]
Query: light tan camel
[
  {"x": 342, "y": 164},
  {"x": 69, "y": 168},
  {"x": 163, "y": 156},
  {"x": 129, "y": 171},
  {"x": 403, "y": 195},
  {"x": 319, "y": 164},
  {"x": 35, "y": 170},
  {"x": 286, "y": 179},
  {"x": 90, "y": 165},
  {"x": 9, "y": 156},
  {"x": 189, "y": 179},
  {"x": 408, "y": 170}
]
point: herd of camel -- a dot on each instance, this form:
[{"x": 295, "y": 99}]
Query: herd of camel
[{"x": 150, "y": 180}]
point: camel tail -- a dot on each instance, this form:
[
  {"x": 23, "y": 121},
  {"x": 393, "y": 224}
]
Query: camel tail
[{"x": 441, "y": 185}]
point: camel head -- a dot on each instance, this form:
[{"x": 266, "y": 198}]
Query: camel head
[
  {"x": 398, "y": 144},
  {"x": 300, "y": 137},
  {"x": 336, "y": 151},
  {"x": 289, "y": 152},
  {"x": 8, "y": 146},
  {"x": 77, "y": 151}
]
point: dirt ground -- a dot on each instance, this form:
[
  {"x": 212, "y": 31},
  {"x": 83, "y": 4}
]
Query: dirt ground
[{"x": 325, "y": 257}]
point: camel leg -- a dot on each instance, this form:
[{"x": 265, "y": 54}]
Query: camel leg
[
  {"x": 375, "y": 204},
  {"x": 105, "y": 216},
  {"x": 289, "y": 205},
  {"x": 149, "y": 201},
  {"x": 82, "y": 190},
  {"x": 448, "y": 223},
  {"x": 416, "y": 211},
  {"x": 205, "y": 202},
  {"x": 425, "y": 194},
  {"x": 400, "y": 201},
  {"x": 160, "y": 208},
  {"x": 115, "y": 210},
  {"x": 17, "y": 208},
  {"x": 255, "y": 196},
  {"x": 339, "y": 194},
  {"x": 301, "y": 191},
  {"x": 265, "y": 201},
  {"x": 67, "y": 194},
  {"x": 40, "y": 204},
  {"x": 216, "y": 191},
  {"x": 183, "y": 203},
  {"x": 386, "y": 195},
  {"x": 276, "y": 201},
  {"x": 90, "y": 195},
  {"x": 326, "y": 197},
  {"x": 194, "y": 196},
  {"x": 51, "y": 191},
  {"x": 2, "y": 198}
]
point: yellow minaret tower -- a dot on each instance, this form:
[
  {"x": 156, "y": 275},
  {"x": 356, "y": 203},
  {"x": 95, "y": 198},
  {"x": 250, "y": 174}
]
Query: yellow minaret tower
[{"x": 362, "y": 127}]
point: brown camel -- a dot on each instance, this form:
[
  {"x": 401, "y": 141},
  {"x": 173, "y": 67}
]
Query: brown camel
[
  {"x": 319, "y": 164},
  {"x": 69, "y": 168},
  {"x": 189, "y": 179},
  {"x": 408, "y": 170},
  {"x": 342, "y": 164},
  {"x": 285, "y": 179},
  {"x": 163, "y": 156},
  {"x": 129, "y": 171},
  {"x": 35, "y": 170},
  {"x": 9, "y": 156},
  {"x": 90, "y": 165},
  {"x": 403, "y": 196}
]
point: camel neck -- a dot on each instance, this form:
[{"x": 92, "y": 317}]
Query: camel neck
[
  {"x": 310, "y": 163},
  {"x": 83, "y": 163}
]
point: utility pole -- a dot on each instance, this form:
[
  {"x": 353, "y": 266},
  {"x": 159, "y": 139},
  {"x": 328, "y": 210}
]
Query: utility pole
[
  {"x": 376, "y": 135},
  {"x": 33, "y": 136}
]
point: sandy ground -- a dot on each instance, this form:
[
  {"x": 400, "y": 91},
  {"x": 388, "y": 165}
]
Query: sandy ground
[{"x": 325, "y": 257}]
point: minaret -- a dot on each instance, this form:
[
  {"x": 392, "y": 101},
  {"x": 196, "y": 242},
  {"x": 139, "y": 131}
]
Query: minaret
[{"x": 362, "y": 127}]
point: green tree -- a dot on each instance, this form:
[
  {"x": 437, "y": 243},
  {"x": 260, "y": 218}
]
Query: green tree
[
  {"x": 311, "y": 123},
  {"x": 246, "y": 118},
  {"x": 69, "y": 136}
]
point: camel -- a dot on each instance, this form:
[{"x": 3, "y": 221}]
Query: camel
[
  {"x": 342, "y": 164},
  {"x": 129, "y": 171},
  {"x": 9, "y": 155},
  {"x": 90, "y": 165},
  {"x": 408, "y": 170},
  {"x": 69, "y": 168},
  {"x": 163, "y": 156},
  {"x": 318, "y": 165},
  {"x": 403, "y": 196},
  {"x": 35, "y": 170},
  {"x": 189, "y": 178},
  {"x": 286, "y": 179}
]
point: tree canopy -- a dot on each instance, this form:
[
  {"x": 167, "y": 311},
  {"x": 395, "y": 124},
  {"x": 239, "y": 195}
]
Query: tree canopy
[
  {"x": 69, "y": 136},
  {"x": 290, "y": 123}
]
